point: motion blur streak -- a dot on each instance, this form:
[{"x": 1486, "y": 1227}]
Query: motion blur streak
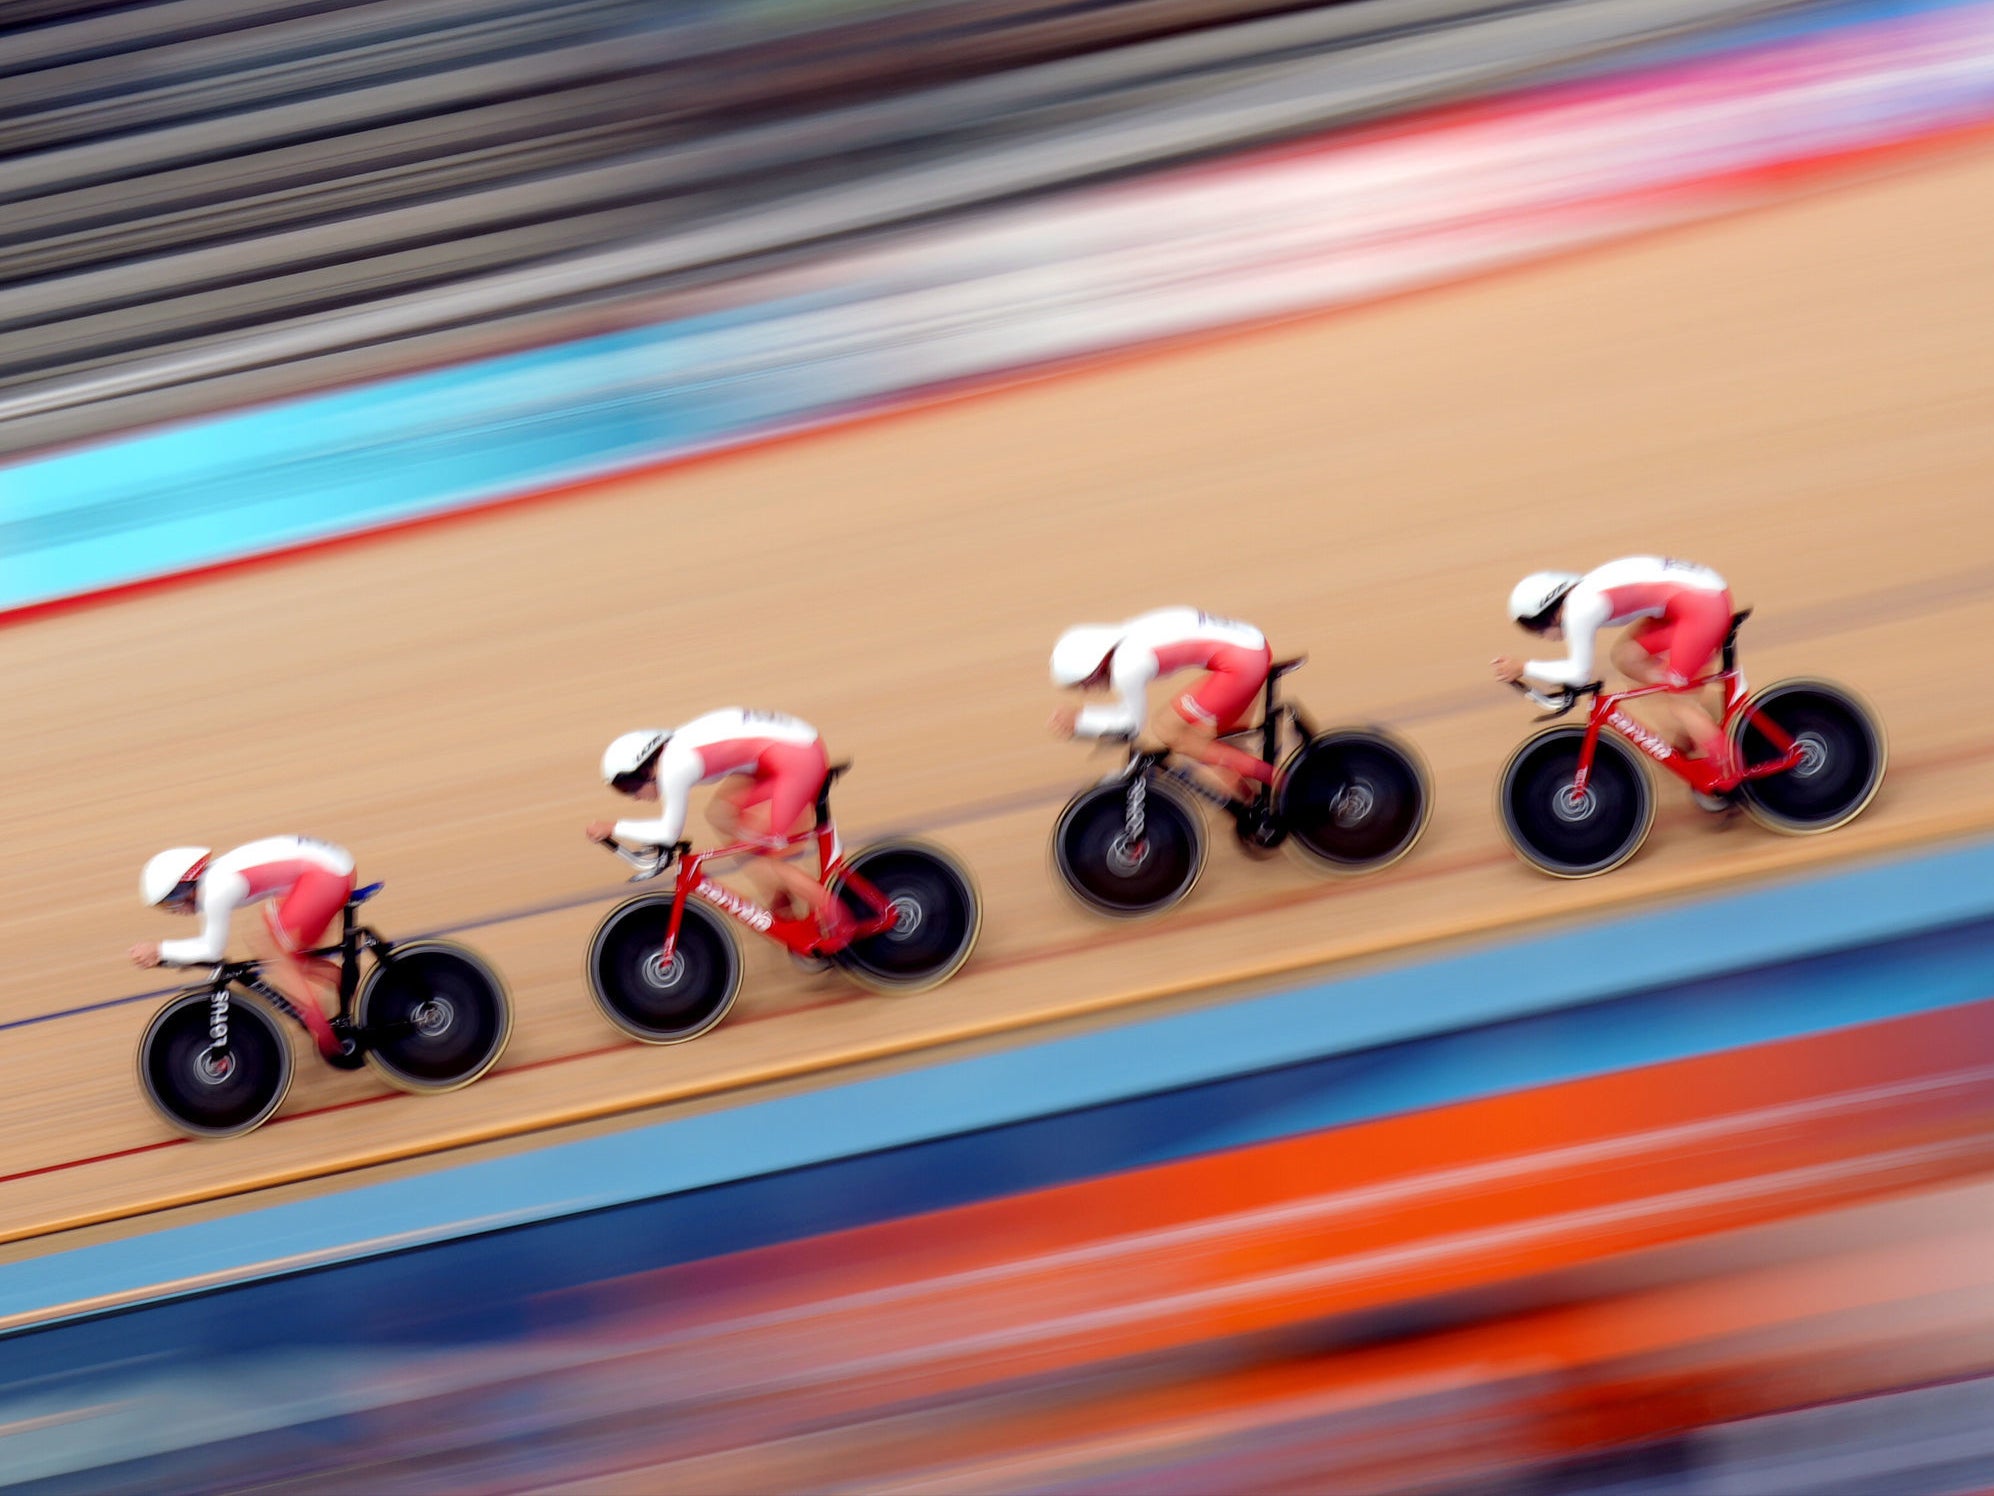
[
  {"x": 1422, "y": 1300},
  {"x": 1665, "y": 1200},
  {"x": 1324, "y": 222}
]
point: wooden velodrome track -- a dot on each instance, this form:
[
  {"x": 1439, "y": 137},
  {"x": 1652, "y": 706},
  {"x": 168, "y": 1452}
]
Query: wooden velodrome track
[{"x": 1799, "y": 396}]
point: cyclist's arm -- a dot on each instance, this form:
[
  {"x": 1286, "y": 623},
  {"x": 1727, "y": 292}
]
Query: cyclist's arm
[
  {"x": 1586, "y": 612},
  {"x": 220, "y": 895},
  {"x": 679, "y": 769},
  {"x": 1133, "y": 671}
]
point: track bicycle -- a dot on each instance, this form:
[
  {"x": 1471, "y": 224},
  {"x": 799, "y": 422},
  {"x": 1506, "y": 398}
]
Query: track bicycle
[
  {"x": 428, "y": 1015},
  {"x": 1807, "y": 756},
  {"x": 1349, "y": 800},
  {"x": 665, "y": 967}
]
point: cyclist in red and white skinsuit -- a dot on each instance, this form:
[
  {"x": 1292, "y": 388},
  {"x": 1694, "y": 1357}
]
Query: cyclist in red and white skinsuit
[
  {"x": 1126, "y": 657},
  {"x": 302, "y": 883},
  {"x": 1681, "y": 612},
  {"x": 773, "y": 766}
]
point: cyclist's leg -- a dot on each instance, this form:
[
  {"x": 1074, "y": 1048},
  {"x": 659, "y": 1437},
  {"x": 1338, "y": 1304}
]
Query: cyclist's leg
[
  {"x": 738, "y": 811},
  {"x": 730, "y": 798},
  {"x": 1699, "y": 622},
  {"x": 1636, "y": 653},
  {"x": 1220, "y": 703},
  {"x": 776, "y": 806},
  {"x": 1639, "y": 655},
  {"x": 294, "y": 924}
]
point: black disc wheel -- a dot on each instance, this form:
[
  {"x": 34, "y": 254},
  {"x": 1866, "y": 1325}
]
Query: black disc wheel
[
  {"x": 937, "y": 915},
  {"x": 435, "y": 1016},
  {"x": 1354, "y": 800},
  {"x": 1565, "y": 832},
  {"x": 650, "y": 998},
  {"x": 1842, "y": 756},
  {"x": 1115, "y": 873},
  {"x": 214, "y": 1065}
]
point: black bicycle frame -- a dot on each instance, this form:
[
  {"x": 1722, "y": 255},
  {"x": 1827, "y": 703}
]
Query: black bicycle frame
[
  {"x": 354, "y": 938},
  {"x": 1147, "y": 761}
]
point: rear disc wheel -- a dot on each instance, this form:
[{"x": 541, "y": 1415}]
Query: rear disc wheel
[
  {"x": 1354, "y": 800},
  {"x": 435, "y": 1016},
  {"x": 1842, "y": 756},
  {"x": 937, "y": 916}
]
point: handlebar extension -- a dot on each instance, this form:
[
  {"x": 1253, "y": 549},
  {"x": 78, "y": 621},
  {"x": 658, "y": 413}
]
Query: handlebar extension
[
  {"x": 1563, "y": 701},
  {"x": 649, "y": 861}
]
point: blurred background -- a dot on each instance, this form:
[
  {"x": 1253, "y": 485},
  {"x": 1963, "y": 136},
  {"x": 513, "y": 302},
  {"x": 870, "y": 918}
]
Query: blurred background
[{"x": 400, "y": 399}]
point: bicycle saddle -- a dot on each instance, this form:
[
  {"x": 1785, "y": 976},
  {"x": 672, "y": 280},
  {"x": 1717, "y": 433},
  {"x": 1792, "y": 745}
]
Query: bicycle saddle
[
  {"x": 362, "y": 895},
  {"x": 1281, "y": 667},
  {"x": 1730, "y": 650},
  {"x": 824, "y": 790}
]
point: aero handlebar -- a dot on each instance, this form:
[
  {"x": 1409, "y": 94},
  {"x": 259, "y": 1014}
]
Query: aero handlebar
[
  {"x": 649, "y": 861},
  {"x": 1557, "y": 703}
]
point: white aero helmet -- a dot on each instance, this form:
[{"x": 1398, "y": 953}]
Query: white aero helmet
[
  {"x": 1537, "y": 594},
  {"x": 631, "y": 752},
  {"x": 171, "y": 868},
  {"x": 1080, "y": 651}
]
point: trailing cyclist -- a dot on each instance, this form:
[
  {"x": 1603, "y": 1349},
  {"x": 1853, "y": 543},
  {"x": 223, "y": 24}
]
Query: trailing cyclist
[
  {"x": 303, "y": 884},
  {"x": 1681, "y": 612}
]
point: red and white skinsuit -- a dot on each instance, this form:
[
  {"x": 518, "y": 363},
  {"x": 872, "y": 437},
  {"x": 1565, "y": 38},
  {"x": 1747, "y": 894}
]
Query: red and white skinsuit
[
  {"x": 1687, "y": 609},
  {"x": 783, "y": 754},
  {"x": 1166, "y": 641},
  {"x": 309, "y": 881}
]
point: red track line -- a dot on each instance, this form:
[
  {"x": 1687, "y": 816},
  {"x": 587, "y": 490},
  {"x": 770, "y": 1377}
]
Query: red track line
[
  {"x": 77, "y": 1163},
  {"x": 1794, "y": 179},
  {"x": 317, "y": 1111}
]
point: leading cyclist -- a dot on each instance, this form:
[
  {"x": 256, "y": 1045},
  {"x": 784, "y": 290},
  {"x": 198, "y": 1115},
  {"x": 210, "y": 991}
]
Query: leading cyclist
[{"x": 1681, "y": 612}]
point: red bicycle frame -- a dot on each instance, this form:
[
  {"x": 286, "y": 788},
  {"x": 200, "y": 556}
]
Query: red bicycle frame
[
  {"x": 800, "y": 936},
  {"x": 1700, "y": 774}
]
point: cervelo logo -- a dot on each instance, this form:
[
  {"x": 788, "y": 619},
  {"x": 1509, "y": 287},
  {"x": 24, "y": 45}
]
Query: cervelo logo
[
  {"x": 753, "y": 915},
  {"x": 1655, "y": 748},
  {"x": 218, "y": 1018}
]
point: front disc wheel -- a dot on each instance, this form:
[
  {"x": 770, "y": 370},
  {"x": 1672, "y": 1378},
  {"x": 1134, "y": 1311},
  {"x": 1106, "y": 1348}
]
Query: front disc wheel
[
  {"x": 654, "y": 999},
  {"x": 214, "y": 1065},
  {"x": 1561, "y": 829},
  {"x": 1118, "y": 870}
]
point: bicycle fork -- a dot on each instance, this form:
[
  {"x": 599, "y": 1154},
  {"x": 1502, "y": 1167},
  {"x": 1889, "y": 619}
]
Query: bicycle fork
[{"x": 1135, "y": 818}]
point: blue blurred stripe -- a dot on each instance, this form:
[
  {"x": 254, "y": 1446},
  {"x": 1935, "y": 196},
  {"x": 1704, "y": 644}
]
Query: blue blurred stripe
[{"x": 312, "y": 469}]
